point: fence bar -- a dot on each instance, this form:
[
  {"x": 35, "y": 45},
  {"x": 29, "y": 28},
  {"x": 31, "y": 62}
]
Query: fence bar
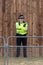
[
  {"x": 25, "y": 46},
  {"x": 9, "y": 46},
  {"x": 6, "y": 46},
  {"x": 5, "y": 53},
  {"x": 23, "y": 37},
  {"x": 1, "y": 37},
  {"x": 1, "y": 46}
]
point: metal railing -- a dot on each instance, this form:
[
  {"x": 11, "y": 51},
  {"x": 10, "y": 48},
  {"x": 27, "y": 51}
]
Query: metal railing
[
  {"x": 1, "y": 37},
  {"x": 10, "y": 46},
  {"x": 23, "y": 37},
  {"x": 6, "y": 45}
]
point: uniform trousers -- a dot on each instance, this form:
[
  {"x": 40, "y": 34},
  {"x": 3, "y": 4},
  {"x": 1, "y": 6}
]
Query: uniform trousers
[{"x": 24, "y": 43}]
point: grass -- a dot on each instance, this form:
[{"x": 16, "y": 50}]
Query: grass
[{"x": 23, "y": 61}]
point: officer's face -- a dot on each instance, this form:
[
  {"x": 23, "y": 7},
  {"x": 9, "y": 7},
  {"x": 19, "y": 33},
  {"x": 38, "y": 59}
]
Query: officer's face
[{"x": 21, "y": 20}]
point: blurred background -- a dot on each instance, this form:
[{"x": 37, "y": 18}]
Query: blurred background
[{"x": 33, "y": 13}]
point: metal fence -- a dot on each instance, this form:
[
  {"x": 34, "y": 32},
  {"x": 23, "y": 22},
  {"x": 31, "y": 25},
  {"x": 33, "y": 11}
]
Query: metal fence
[
  {"x": 7, "y": 46},
  {"x": 25, "y": 37},
  {"x": 12, "y": 46},
  {"x": 3, "y": 47}
]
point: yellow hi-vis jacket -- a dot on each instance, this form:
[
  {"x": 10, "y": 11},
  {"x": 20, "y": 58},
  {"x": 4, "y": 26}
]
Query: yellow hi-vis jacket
[{"x": 21, "y": 28}]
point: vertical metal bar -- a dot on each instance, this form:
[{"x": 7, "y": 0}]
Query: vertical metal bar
[
  {"x": 3, "y": 11},
  {"x": 4, "y": 49},
  {"x": 5, "y": 53}
]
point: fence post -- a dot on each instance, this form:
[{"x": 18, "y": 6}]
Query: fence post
[
  {"x": 5, "y": 53},
  {"x": 1, "y": 37}
]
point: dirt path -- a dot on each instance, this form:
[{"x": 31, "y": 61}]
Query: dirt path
[{"x": 23, "y": 61}]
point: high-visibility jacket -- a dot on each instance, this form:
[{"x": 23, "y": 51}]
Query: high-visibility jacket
[{"x": 21, "y": 28}]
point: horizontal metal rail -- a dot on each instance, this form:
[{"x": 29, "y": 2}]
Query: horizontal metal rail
[
  {"x": 25, "y": 37},
  {"x": 22, "y": 37},
  {"x": 25, "y": 46},
  {"x": 2, "y": 46},
  {"x": 22, "y": 46}
]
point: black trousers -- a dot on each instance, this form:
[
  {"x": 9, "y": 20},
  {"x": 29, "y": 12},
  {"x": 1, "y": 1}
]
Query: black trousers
[{"x": 24, "y": 43}]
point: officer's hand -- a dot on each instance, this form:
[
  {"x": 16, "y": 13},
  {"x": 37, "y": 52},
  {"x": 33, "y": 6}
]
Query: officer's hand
[{"x": 24, "y": 25}]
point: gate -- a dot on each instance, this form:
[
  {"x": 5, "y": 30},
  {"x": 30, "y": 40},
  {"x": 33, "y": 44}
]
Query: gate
[{"x": 10, "y": 60}]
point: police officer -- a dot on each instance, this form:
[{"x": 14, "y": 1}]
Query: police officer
[{"x": 21, "y": 30}]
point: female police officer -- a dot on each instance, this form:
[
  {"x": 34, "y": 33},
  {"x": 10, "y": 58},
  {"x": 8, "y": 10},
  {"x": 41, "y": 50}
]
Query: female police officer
[{"x": 21, "y": 30}]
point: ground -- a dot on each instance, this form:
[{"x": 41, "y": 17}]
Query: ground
[{"x": 24, "y": 61}]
